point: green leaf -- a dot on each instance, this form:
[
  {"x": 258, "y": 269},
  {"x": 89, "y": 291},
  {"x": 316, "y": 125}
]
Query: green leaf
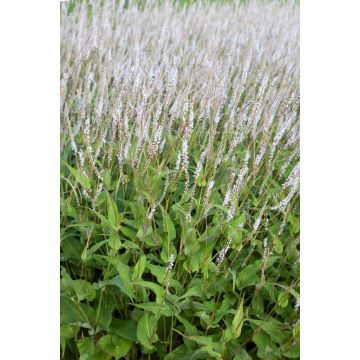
[
  {"x": 128, "y": 232},
  {"x": 100, "y": 354},
  {"x": 180, "y": 353},
  {"x": 124, "y": 275},
  {"x": 278, "y": 247},
  {"x": 274, "y": 328},
  {"x": 266, "y": 348},
  {"x": 194, "y": 291},
  {"x": 86, "y": 254},
  {"x": 139, "y": 268},
  {"x": 104, "y": 315},
  {"x": 124, "y": 328},
  {"x": 83, "y": 290},
  {"x": 118, "y": 282},
  {"x": 114, "y": 345},
  {"x": 240, "y": 220},
  {"x": 247, "y": 276},
  {"x": 228, "y": 335},
  {"x": 206, "y": 350},
  {"x": 71, "y": 248},
  {"x": 283, "y": 299},
  {"x": 146, "y": 331},
  {"x": 158, "y": 271},
  {"x": 72, "y": 313},
  {"x": 157, "y": 309},
  {"x": 295, "y": 223},
  {"x": 257, "y": 303},
  {"x": 158, "y": 290},
  {"x": 69, "y": 311},
  {"x": 201, "y": 340},
  {"x": 80, "y": 177},
  {"x": 168, "y": 225},
  {"x": 103, "y": 219},
  {"x": 189, "y": 328},
  {"x": 296, "y": 331},
  {"x": 294, "y": 352},
  {"x": 242, "y": 356},
  {"x": 67, "y": 332},
  {"x": 144, "y": 231},
  {"x": 107, "y": 179},
  {"x": 238, "y": 321},
  {"x": 114, "y": 242},
  {"x": 113, "y": 214},
  {"x": 86, "y": 349}
]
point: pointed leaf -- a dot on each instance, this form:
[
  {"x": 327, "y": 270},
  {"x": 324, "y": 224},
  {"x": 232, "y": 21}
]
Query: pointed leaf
[{"x": 146, "y": 331}]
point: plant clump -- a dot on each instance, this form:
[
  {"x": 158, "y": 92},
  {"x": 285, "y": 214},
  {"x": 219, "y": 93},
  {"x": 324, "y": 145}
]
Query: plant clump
[{"x": 180, "y": 180}]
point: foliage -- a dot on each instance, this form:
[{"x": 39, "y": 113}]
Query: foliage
[{"x": 179, "y": 182}]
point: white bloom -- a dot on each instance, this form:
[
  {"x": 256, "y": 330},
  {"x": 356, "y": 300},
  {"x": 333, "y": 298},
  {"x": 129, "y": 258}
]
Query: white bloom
[
  {"x": 221, "y": 256},
  {"x": 266, "y": 243},
  {"x": 170, "y": 263}
]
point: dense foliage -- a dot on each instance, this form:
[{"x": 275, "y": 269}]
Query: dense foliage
[{"x": 179, "y": 181}]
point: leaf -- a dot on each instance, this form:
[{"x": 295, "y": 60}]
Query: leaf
[
  {"x": 295, "y": 223},
  {"x": 107, "y": 179},
  {"x": 83, "y": 290},
  {"x": 113, "y": 214},
  {"x": 238, "y": 321},
  {"x": 168, "y": 225},
  {"x": 72, "y": 313},
  {"x": 278, "y": 247},
  {"x": 86, "y": 349},
  {"x": 71, "y": 248},
  {"x": 266, "y": 348},
  {"x": 195, "y": 261},
  {"x": 247, "y": 276},
  {"x": 257, "y": 303},
  {"x": 180, "y": 353},
  {"x": 127, "y": 232},
  {"x": 67, "y": 332},
  {"x": 296, "y": 331},
  {"x": 294, "y": 352},
  {"x": 80, "y": 177},
  {"x": 144, "y": 231},
  {"x": 194, "y": 291},
  {"x": 158, "y": 271},
  {"x": 206, "y": 350},
  {"x": 139, "y": 268},
  {"x": 103, "y": 219},
  {"x": 124, "y": 328},
  {"x": 114, "y": 242},
  {"x": 86, "y": 254},
  {"x": 157, "y": 309},
  {"x": 158, "y": 290},
  {"x": 146, "y": 331},
  {"x": 283, "y": 299},
  {"x": 228, "y": 335},
  {"x": 274, "y": 328},
  {"x": 189, "y": 328},
  {"x": 100, "y": 354},
  {"x": 201, "y": 340},
  {"x": 69, "y": 311},
  {"x": 240, "y": 220},
  {"x": 124, "y": 274},
  {"x": 114, "y": 345},
  {"x": 104, "y": 315},
  {"x": 242, "y": 356}
]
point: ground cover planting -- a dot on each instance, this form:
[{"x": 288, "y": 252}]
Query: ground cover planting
[{"x": 180, "y": 180}]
